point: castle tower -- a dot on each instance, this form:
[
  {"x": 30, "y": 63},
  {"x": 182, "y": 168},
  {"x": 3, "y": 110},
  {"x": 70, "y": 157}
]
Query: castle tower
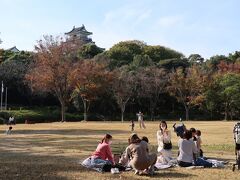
[{"x": 80, "y": 33}]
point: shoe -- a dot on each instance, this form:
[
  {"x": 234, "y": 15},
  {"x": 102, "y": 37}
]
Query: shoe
[
  {"x": 136, "y": 172},
  {"x": 151, "y": 172},
  {"x": 115, "y": 171}
]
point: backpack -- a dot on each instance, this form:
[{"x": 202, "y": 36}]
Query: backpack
[
  {"x": 236, "y": 132},
  {"x": 106, "y": 167}
]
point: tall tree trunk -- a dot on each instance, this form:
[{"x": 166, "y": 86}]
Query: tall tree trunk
[
  {"x": 63, "y": 109},
  {"x": 173, "y": 107},
  {"x": 152, "y": 115},
  {"x": 85, "y": 109},
  {"x": 225, "y": 115},
  {"x": 231, "y": 114},
  {"x": 226, "y": 112},
  {"x": 187, "y": 112},
  {"x": 122, "y": 112},
  {"x": 211, "y": 115},
  {"x": 152, "y": 108},
  {"x": 122, "y": 115}
]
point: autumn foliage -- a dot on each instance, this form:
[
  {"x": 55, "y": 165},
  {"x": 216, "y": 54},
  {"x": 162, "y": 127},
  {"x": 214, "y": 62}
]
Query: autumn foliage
[{"x": 52, "y": 68}]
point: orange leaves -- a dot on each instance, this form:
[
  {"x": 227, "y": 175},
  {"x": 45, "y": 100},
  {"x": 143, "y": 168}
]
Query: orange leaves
[
  {"x": 90, "y": 79},
  {"x": 187, "y": 86},
  {"x": 52, "y": 68},
  {"x": 228, "y": 67}
]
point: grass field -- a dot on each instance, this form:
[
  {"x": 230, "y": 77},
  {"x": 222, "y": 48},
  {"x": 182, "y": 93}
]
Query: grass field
[{"x": 52, "y": 151}]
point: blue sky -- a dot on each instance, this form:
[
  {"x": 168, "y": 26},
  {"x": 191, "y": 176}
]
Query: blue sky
[{"x": 207, "y": 27}]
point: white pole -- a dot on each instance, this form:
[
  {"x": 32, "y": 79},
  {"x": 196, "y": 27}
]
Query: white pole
[
  {"x": 1, "y": 95},
  {"x": 6, "y": 99}
]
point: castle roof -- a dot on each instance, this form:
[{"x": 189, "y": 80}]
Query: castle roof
[
  {"x": 13, "y": 49},
  {"x": 81, "y": 30}
]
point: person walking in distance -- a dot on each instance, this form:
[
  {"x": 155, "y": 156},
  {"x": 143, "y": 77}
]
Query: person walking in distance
[{"x": 140, "y": 120}]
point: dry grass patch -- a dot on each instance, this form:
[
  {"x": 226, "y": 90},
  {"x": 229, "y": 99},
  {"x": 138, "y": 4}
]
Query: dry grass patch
[{"x": 52, "y": 151}]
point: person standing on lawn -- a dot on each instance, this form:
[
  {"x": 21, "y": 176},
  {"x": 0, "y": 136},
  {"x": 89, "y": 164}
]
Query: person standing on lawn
[{"x": 140, "y": 120}]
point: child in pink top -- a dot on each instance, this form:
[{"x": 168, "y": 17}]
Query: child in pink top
[{"x": 103, "y": 151}]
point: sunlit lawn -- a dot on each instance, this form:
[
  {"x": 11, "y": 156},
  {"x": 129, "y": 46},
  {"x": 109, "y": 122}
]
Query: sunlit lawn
[{"x": 52, "y": 151}]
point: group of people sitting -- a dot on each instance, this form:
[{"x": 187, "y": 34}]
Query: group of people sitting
[
  {"x": 137, "y": 156},
  {"x": 189, "y": 145}
]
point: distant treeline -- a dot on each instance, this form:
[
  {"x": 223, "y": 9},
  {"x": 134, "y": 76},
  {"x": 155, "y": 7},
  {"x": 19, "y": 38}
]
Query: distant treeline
[{"x": 130, "y": 76}]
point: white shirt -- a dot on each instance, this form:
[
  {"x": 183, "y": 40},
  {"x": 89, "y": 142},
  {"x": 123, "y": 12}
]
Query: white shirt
[
  {"x": 140, "y": 116},
  {"x": 166, "y": 138},
  {"x": 186, "y": 150}
]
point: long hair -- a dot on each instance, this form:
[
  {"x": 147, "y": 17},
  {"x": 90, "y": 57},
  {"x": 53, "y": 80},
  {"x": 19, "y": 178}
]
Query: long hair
[
  {"x": 187, "y": 135},
  {"x": 107, "y": 136},
  {"x": 134, "y": 139},
  {"x": 162, "y": 122}
]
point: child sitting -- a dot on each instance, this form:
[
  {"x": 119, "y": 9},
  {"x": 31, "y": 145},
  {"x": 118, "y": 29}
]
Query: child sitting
[
  {"x": 199, "y": 142},
  {"x": 9, "y": 130}
]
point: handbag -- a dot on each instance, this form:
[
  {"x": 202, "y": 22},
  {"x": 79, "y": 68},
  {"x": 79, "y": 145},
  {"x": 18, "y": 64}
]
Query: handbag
[{"x": 167, "y": 146}]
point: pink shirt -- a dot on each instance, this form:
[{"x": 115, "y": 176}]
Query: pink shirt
[{"x": 104, "y": 152}]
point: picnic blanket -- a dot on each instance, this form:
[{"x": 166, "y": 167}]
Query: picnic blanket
[
  {"x": 160, "y": 166},
  {"x": 87, "y": 163},
  {"x": 102, "y": 167},
  {"x": 217, "y": 163}
]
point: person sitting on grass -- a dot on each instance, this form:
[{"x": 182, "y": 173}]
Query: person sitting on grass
[
  {"x": 187, "y": 150},
  {"x": 197, "y": 140},
  {"x": 125, "y": 157},
  {"x": 193, "y": 131},
  {"x": 103, "y": 153},
  {"x": 9, "y": 130},
  {"x": 140, "y": 159},
  {"x": 199, "y": 143},
  {"x": 144, "y": 138},
  {"x": 164, "y": 143}
]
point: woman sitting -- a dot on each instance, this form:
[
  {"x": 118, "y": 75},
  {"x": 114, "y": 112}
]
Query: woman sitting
[
  {"x": 164, "y": 143},
  {"x": 187, "y": 150},
  {"x": 103, "y": 153},
  {"x": 140, "y": 159}
]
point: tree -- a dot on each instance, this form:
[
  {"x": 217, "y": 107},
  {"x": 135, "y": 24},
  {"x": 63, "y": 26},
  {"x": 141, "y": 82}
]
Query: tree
[
  {"x": 153, "y": 82},
  {"x": 187, "y": 87},
  {"x": 234, "y": 56},
  {"x": 123, "y": 53},
  {"x": 89, "y": 50},
  {"x": 215, "y": 60},
  {"x": 140, "y": 61},
  {"x": 52, "y": 68},
  {"x": 170, "y": 64},
  {"x": 123, "y": 86},
  {"x": 90, "y": 79},
  {"x": 195, "y": 59},
  {"x": 12, "y": 72},
  {"x": 230, "y": 93},
  {"x": 158, "y": 53},
  {"x": 224, "y": 94},
  {"x": 224, "y": 67}
]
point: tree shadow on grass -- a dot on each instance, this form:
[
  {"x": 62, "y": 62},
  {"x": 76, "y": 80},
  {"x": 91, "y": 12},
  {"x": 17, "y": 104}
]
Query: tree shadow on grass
[
  {"x": 70, "y": 132},
  {"x": 18, "y": 165},
  {"x": 172, "y": 174},
  {"x": 169, "y": 173}
]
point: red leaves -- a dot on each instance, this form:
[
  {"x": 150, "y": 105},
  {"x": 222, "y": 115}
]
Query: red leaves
[
  {"x": 90, "y": 79},
  {"x": 228, "y": 67}
]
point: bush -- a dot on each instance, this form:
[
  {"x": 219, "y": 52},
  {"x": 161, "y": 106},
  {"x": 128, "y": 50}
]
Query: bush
[
  {"x": 38, "y": 115},
  {"x": 4, "y": 116}
]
